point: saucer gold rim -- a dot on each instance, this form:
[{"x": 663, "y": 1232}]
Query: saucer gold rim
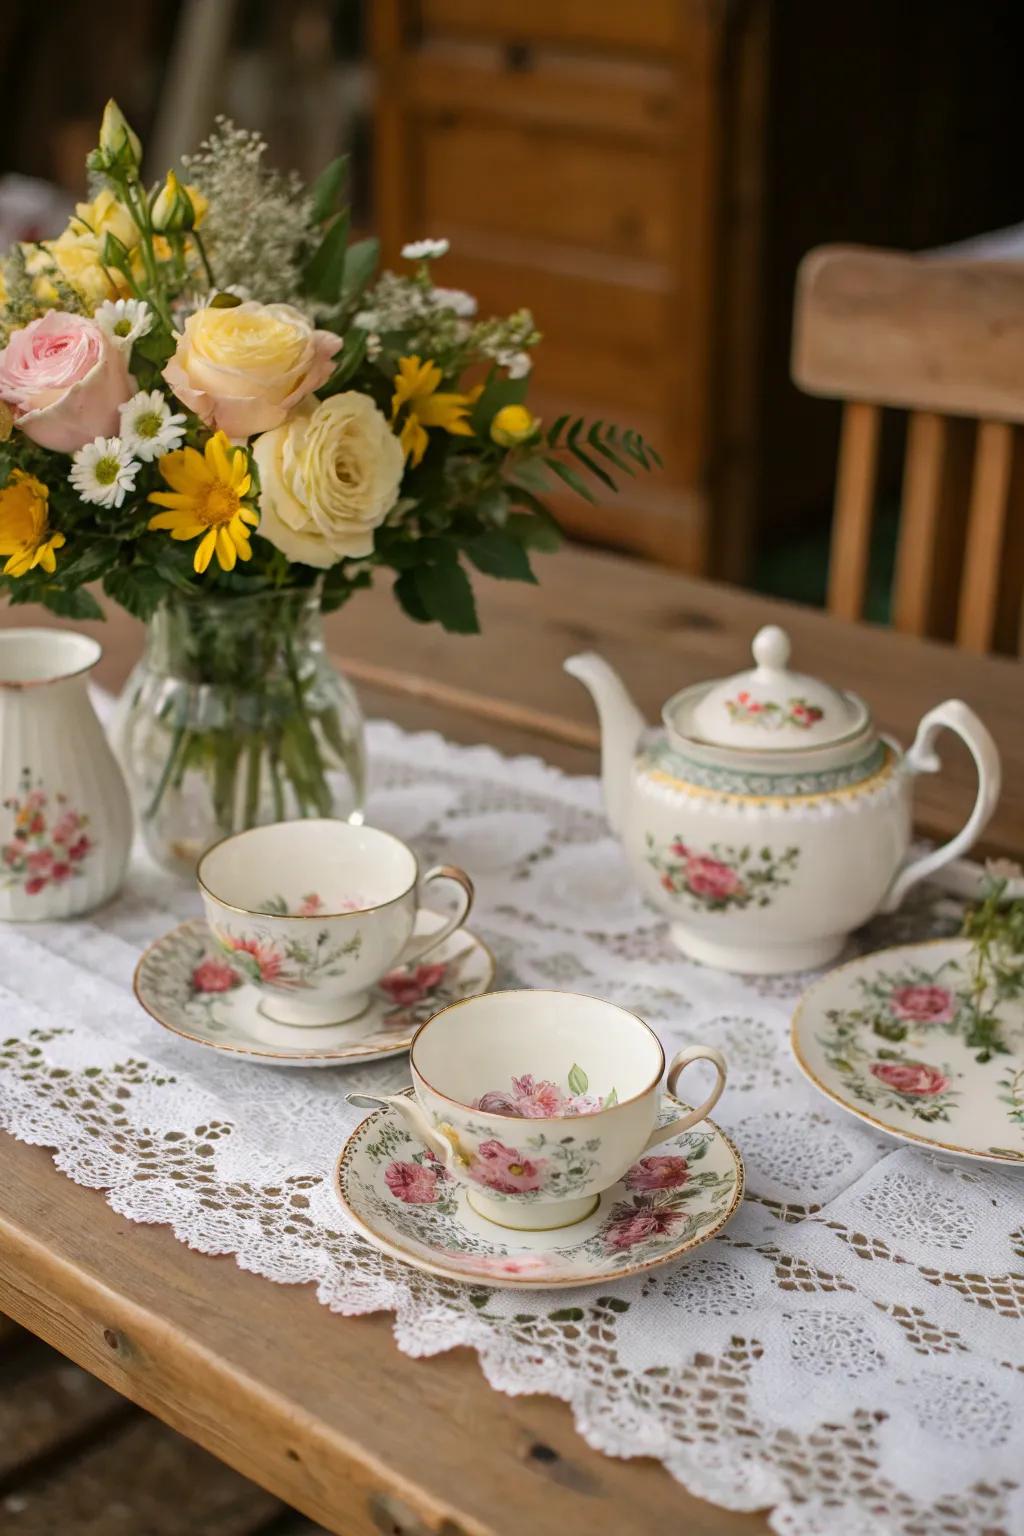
[
  {"x": 338, "y": 1056},
  {"x": 522, "y": 1283}
]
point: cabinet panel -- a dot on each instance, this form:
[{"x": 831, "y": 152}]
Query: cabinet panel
[
  {"x": 648, "y": 25},
  {"x": 532, "y": 182}
]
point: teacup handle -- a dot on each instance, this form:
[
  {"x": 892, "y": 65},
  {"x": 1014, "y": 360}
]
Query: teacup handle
[
  {"x": 680, "y": 1060},
  {"x": 417, "y": 948},
  {"x": 410, "y": 1112}
]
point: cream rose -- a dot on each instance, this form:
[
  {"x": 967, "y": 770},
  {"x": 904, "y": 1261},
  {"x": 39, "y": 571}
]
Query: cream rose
[
  {"x": 328, "y": 478},
  {"x": 243, "y": 369}
]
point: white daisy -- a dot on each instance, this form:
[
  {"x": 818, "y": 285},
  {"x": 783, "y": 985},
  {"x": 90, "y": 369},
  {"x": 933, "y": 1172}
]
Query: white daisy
[
  {"x": 456, "y": 299},
  {"x": 103, "y": 472},
  {"x": 124, "y": 320},
  {"x": 425, "y": 250},
  {"x": 148, "y": 428}
]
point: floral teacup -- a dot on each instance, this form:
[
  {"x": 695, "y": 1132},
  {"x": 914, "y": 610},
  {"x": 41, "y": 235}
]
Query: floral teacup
[
  {"x": 316, "y": 912},
  {"x": 538, "y": 1101}
]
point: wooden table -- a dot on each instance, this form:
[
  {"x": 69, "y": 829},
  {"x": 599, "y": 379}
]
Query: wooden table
[{"x": 325, "y": 1411}]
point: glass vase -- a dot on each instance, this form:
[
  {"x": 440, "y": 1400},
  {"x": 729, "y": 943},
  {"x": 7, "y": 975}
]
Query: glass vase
[{"x": 235, "y": 717}]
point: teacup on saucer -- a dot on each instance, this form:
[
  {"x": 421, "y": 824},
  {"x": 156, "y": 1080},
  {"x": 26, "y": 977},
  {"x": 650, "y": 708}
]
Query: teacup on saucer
[
  {"x": 187, "y": 983},
  {"x": 664, "y": 1206},
  {"x": 539, "y": 1101},
  {"x": 314, "y": 913}
]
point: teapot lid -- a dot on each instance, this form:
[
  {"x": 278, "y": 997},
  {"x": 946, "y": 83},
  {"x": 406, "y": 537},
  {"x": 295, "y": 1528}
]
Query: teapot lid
[{"x": 769, "y": 708}]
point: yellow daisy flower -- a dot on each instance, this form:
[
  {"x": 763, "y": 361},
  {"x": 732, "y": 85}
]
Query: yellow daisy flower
[
  {"x": 416, "y": 386},
  {"x": 25, "y": 536},
  {"x": 206, "y": 499}
]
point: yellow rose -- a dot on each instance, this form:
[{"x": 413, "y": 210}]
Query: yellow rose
[
  {"x": 76, "y": 260},
  {"x": 243, "y": 369},
  {"x": 513, "y": 424},
  {"x": 176, "y": 207},
  {"x": 103, "y": 216},
  {"x": 328, "y": 478}
]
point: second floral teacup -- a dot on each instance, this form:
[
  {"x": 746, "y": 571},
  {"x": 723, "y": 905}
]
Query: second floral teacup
[
  {"x": 539, "y": 1101},
  {"x": 315, "y": 912}
]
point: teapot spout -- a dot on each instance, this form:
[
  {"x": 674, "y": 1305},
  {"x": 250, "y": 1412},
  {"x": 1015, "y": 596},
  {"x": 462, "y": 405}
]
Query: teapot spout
[{"x": 621, "y": 725}]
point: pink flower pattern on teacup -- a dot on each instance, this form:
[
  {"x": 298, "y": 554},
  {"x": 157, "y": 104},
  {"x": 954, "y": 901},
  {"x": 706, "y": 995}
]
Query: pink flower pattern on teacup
[
  {"x": 506, "y": 1170},
  {"x": 921, "y": 1003},
  {"x": 533, "y": 1098},
  {"x": 915, "y": 1078}
]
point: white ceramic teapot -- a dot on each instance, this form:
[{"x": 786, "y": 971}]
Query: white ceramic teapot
[{"x": 769, "y": 818}]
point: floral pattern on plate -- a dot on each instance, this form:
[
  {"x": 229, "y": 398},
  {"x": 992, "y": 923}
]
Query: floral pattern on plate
[
  {"x": 721, "y": 877},
  {"x": 49, "y": 842},
  {"x": 400, "y": 1195},
  {"x": 902, "y": 1039},
  {"x": 192, "y": 987}
]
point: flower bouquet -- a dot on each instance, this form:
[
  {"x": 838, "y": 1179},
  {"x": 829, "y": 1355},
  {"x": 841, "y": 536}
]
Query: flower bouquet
[{"x": 214, "y": 408}]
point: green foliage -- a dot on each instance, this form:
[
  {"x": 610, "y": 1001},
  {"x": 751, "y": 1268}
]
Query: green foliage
[
  {"x": 325, "y": 270},
  {"x": 995, "y": 929}
]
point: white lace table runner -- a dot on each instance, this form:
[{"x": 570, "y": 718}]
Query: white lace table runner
[{"x": 850, "y": 1352}]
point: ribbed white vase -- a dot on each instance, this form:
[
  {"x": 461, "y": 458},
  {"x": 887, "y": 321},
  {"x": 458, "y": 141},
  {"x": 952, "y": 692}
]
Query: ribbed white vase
[{"x": 65, "y": 817}]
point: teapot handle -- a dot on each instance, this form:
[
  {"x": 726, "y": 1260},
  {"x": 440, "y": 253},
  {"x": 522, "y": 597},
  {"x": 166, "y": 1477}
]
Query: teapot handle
[{"x": 922, "y": 758}]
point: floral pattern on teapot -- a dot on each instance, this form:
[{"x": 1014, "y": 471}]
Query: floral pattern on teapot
[{"x": 721, "y": 877}]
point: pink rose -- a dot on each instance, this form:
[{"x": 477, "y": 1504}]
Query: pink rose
[
  {"x": 632, "y": 1224},
  {"x": 657, "y": 1173},
  {"x": 711, "y": 878},
  {"x": 923, "y": 1004},
  {"x": 506, "y": 1170},
  {"x": 310, "y": 905},
  {"x": 528, "y": 1098},
  {"x": 915, "y": 1078},
  {"x": 213, "y": 975},
  {"x": 64, "y": 379},
  {"x": 243, "y": 369},
  {"x": 408, "y": 987},
  {"x": 412, "y": 1183}
]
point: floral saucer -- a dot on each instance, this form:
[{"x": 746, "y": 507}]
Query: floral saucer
[
  {"x": 190, "y": 986},
  {"x": 898, "y": 1039},
  {"x": 401, "y": 1198}
]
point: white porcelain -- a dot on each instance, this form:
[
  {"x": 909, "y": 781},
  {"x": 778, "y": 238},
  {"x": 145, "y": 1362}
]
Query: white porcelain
[
  {"x": 891, "y": 1038},
  {"x": 316, "y": 912},
  {"x": 538, "y": 1101},
  {"x": 187, "y": 984},
  {"x": 768, "y": 818},
  {"x": 65, "y": 818},
  {"x": 400, "y": 1195}
]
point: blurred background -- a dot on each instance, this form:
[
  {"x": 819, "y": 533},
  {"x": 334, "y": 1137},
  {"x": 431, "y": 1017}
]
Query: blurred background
[{"x": 645, "y": 176}]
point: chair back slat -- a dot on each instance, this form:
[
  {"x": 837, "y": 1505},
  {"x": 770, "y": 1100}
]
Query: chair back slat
[
  {"x": 854, "y": 509},
  {"x": 943, "y": 340},
  {"x": 986, "y": 523},
  {"x": 933, "y": 524}
]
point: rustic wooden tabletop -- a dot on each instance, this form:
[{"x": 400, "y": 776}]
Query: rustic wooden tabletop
[{"x": 324, "y": 1411}]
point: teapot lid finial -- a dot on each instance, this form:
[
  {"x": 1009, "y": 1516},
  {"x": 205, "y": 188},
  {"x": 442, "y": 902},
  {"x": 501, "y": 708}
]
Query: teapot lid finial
[
  {"x": 771, "y": 649},
  {"x": 767, "y": 708}
]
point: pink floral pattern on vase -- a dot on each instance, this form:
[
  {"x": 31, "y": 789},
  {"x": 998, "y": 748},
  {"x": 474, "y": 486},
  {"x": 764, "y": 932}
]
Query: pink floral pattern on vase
[
  {"x": 771, "y": 715},
  {"x": 49, "y": 842},
  {"x": 721, "y": 877}
]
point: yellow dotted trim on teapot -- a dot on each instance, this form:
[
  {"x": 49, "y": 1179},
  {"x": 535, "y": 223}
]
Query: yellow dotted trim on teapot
[{"x": 848, "y": 792}]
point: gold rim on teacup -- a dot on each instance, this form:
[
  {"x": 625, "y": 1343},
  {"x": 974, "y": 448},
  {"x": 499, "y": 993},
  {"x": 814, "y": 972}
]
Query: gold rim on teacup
[
  {"x": 504, "y": 1114},
  {"x": 306, "y": 917}
]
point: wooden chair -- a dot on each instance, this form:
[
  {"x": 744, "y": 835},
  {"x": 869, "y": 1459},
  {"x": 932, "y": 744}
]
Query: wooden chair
[{"x": 942, "y": 339}]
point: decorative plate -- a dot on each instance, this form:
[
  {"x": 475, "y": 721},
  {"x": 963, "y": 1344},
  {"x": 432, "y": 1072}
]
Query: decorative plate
[
  {"x": 190, "y": 987},
  {"x": 898, "y": 1039},
  {"x": 669, "y": 1202}
]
